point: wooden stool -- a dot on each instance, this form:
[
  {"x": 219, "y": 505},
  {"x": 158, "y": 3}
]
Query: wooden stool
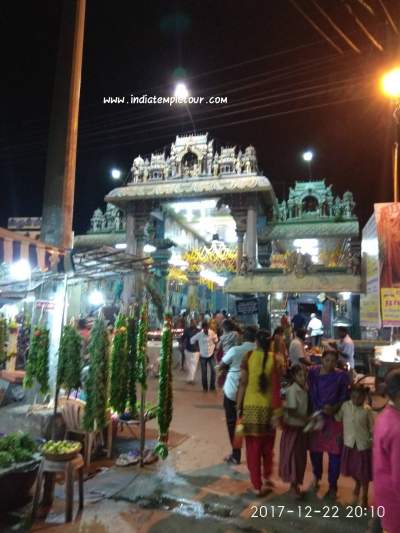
[{"x": 47, "y": 470}]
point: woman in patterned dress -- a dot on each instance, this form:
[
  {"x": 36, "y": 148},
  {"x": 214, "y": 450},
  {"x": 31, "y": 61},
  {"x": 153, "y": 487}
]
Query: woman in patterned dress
[{"x": 260, "y": 407}]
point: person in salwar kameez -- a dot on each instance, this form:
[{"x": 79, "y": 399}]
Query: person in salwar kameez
[{"x": 260, "y": 407}]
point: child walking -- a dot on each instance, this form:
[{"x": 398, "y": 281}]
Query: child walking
[
  {"x": 293, "y": 446},
  {"x": 358, "y": 421}
]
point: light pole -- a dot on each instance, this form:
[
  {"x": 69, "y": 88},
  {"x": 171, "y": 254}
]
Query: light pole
[
  {"x": 390, "y": 84},
  {"x": 308, "y": 156},
  {"x": 182, "y": 93}
]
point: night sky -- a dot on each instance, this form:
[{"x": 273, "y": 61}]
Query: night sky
[{"x": 259, "y": 53}]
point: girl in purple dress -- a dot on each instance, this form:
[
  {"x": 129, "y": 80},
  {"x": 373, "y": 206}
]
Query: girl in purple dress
[{"x": 328, "y": 389}]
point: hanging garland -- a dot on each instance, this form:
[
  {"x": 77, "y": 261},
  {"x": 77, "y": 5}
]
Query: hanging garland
[
  {"x": 69, "y": 359},
  {"x": 141, "y": 347},
  {"x": 164, "y": 411},
  {"x": 119, "y": 366},
  {"x": 132, "y": 370},
  {"x": 37, "y": 367},
  {"x": 97, "y": 380},
  {"x": 3, "y": 339}
]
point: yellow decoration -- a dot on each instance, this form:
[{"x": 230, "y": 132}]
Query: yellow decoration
[{"x": 217, "y": 257}]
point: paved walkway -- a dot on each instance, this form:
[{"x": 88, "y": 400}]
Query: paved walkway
[{"x": 194, "y": 491}]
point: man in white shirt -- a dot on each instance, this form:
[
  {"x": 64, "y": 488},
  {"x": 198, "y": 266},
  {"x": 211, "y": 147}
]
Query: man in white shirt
[
  {"x": 346, "y": 346},
  {"x": 233, "y": 358},
  {"x": 316, "y": 329},
  {"x": 207, "y": 340}
]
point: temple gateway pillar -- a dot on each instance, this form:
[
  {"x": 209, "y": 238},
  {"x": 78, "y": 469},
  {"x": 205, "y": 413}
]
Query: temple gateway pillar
[
  {"x": 239, "y": 258},
  {"x": 193, "y": 295},
  {"x": 136, "y": 220},
  {"x": 251, "y": 236}
]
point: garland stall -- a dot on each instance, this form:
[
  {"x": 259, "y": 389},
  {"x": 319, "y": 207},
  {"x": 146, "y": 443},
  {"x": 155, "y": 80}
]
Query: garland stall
[
  {"x": 95, "y": 416},
  {"x": 119, "y": 364},
  {"x": 164, "y": 410},
  {"x": 141, "y": 354}
]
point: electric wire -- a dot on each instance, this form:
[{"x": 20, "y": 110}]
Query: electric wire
[
  {"x": 369, "y": 35},
  {"x": 336, "y": 27},
  {"x": 316, "y": 27},
  {"x": 338, "y": 83},
  {"x": 389, "y": 17}
]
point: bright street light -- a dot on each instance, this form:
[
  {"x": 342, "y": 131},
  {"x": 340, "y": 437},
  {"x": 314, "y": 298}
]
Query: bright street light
[
  {"x": 308, "y": 156},
  {"x": 181, "y": 91},
  {"x": 20, "y": 270},
  {"x": 115, "y": 173},
  {"x": 390, "y": 83}
]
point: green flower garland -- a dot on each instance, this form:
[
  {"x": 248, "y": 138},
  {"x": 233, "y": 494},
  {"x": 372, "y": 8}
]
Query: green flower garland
[
  {"x": 97, "y": 381},
  {"x": 69, "y": 359},
  {"x": 119, "y": 366},
  {"x": 141, "y": 346},
  {"x": 37, "y": 367},
  {"x": 132, "y": 365},
  {"x": 3, "y": 339},
  {"x": 164, "y": 411}
]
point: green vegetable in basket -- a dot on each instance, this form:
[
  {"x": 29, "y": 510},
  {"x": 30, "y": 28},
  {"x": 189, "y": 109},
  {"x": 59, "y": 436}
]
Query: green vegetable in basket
[
  {"x": 21, "y": 455},
  {"x": 6, "y": 459}
]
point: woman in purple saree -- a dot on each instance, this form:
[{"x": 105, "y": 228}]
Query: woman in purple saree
[{"x": 328, "y": 389}]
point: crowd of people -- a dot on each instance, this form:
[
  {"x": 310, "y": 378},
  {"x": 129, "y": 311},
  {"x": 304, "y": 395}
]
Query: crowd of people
[{"x": 271, "y": 382}]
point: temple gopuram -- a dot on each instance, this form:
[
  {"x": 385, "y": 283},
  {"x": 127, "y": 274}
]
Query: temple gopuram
[{"x": 208, "y": 211}]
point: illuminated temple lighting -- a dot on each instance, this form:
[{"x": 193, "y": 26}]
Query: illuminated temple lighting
[
  {"x": 213, "y": 276},
  {"x": 149, "y": 248},
  {"x": 345, "y": 295},
  {"x": 96, "y": 298}
]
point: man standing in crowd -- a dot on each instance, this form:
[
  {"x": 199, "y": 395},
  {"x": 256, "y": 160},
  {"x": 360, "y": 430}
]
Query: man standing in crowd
[
  {"x": 346, "y": 346},
  {"x": 233, "y": 359},
  {"x": 297, "y": 352},
  {"x": 192, "y": 352},
  {"x": 315, "y": 329},
  {"x": 299, "y": 321}
]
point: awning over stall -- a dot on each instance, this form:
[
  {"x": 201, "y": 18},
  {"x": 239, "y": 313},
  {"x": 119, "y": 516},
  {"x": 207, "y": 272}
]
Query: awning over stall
[{"x": 14, "y": 247}]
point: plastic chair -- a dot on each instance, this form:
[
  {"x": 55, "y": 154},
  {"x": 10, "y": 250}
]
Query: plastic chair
[{"x": 73, "y": 412}]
